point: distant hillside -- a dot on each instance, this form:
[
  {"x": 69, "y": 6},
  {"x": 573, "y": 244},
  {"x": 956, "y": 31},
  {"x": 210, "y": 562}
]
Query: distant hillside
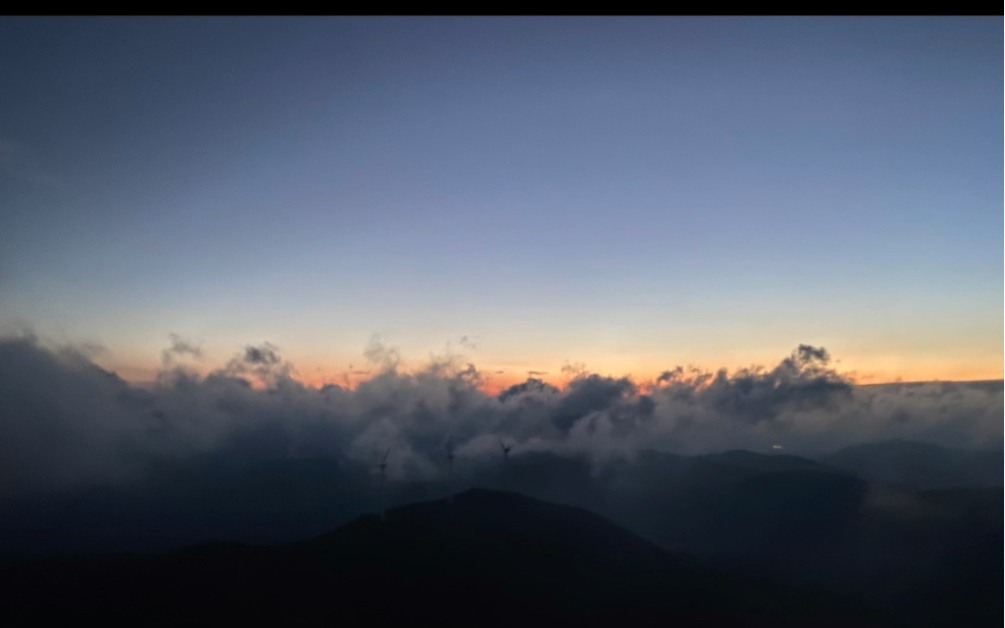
[
  {"x": 734, "y": 503},
  {"x": 921, "y": 554},
  {"x": 764, "y": 462},
  {"x": 488, "y": 558},
  {"x": 920, "y": 465}
]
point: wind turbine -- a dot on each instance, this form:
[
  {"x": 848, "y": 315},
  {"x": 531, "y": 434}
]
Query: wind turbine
[
  {"x": 505, "y": 449},
  {"x": 450, "y": 471},
  {"x": 383, "y": 480}
]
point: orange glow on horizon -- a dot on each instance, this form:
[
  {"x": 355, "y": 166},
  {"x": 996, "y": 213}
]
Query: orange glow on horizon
[{"x": 496, "y": 380}]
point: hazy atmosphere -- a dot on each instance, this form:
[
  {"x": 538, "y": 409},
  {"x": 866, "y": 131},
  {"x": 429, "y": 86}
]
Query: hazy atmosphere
[{"x": 607, "y": 320}]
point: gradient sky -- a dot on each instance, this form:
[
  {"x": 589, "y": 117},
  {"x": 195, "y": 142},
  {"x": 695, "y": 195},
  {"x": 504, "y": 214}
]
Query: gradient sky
[{"x": 629, "y": 194}]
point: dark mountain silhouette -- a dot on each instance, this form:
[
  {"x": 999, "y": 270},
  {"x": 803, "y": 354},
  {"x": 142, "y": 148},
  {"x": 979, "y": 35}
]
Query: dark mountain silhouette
[
  {"x": 486, "y": 558},
  {"x": 809, "y": 521},
  {"x": 737, "y": 503},
  {"x": 920, "y": 465},
  {"x": 918, "y": 553},
  {"x": 765, "y": 462}
]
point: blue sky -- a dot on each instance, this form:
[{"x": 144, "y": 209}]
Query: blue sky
[{"x": 628, "y": 193}]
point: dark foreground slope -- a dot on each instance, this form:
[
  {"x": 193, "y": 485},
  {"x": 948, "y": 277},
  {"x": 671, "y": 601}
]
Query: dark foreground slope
[{"x": 487, "y": 558}]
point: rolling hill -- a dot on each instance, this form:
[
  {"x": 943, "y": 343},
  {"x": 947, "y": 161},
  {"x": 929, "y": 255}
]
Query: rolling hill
[{"x": 487, "y": 558}]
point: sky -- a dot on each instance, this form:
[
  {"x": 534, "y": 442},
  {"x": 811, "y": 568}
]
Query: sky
[{"x": 620, "y": 195}]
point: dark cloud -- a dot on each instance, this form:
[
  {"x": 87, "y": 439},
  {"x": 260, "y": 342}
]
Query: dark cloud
[
  {"x": 531, "y": 386},
  {"x": 801, "y": 381},
  {"x": 589, "y": 394},
  {"x": 62, "y": 419},
  {"x": 65, "y": 421},
  {"x": 265, "y": 354},
  {"x": 262, "y": 363}
]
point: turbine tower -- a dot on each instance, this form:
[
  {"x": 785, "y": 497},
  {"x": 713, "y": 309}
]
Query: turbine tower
[
  {"x": 383, "y": 481},
  {"x": 450, "y": 471},
  {"x": 505, "y": 449}
]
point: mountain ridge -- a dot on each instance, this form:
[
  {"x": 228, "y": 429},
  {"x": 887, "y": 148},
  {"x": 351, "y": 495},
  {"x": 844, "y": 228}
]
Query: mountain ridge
[{"x": 531, "y": 561}]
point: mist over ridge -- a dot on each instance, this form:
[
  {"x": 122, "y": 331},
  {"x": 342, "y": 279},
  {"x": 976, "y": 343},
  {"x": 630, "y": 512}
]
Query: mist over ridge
[{"x": 67, "y": 422}]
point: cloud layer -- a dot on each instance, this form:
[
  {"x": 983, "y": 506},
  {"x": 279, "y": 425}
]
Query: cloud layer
[{"x": 66, "y": 422}]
